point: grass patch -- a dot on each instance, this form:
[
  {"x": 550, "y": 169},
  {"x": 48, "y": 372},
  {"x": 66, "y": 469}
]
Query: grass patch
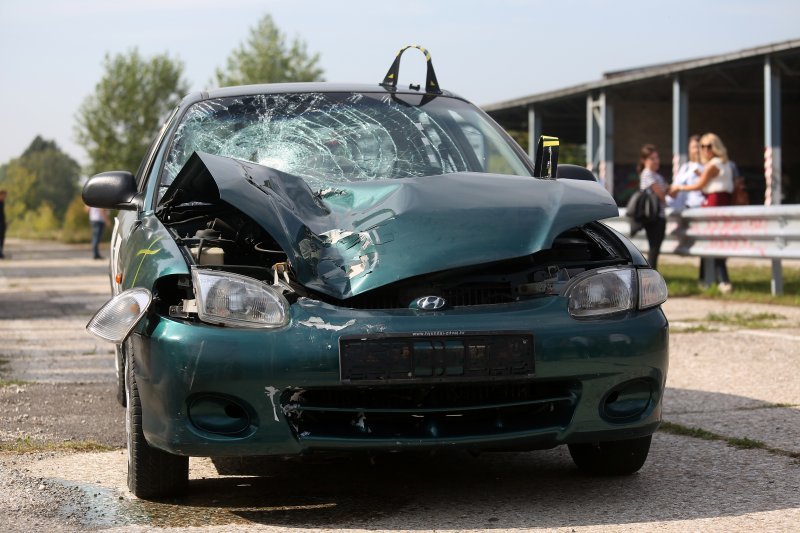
[
  {"x": 28, "y": 445},
  {"x": 746, "y": 319},
  {"x": 12, "y": 382},
  {"x": 747, "y": 444},
  {"x": 700, "y": 328},
  {"x": 686, "y": 431},
  {"x": 750, "y": 283},
  {"x": 743, "y": 444},
  {"x": 770, "y": 406}
]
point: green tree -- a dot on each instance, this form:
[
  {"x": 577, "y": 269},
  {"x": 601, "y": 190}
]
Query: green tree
[
  {"x": 42, "y": 174},
  {"x": 20, "y": 184},
  {"x": 266, "y": 57},
  {"x": 76, "y": 223},
  {"x": 116, "y": 124}
]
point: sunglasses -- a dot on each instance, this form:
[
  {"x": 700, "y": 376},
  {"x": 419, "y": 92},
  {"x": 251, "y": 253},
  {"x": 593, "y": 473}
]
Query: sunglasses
[{"x": 709, "y": 146}]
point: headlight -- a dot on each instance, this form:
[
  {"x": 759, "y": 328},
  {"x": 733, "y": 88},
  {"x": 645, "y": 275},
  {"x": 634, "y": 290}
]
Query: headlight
[
  {"x": 115, "y": 320},
  {"x": 605, "y": 291},
  {"x": 234, "y": 300},
  {"x": 652, "y": 288}
]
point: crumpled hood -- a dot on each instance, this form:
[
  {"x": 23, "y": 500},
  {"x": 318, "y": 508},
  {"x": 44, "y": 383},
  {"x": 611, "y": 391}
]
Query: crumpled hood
[{"x": 354, "y": 237}]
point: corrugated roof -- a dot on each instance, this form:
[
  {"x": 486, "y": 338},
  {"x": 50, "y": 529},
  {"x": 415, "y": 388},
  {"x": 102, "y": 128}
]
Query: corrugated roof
[{"x": 642, "y": 73}]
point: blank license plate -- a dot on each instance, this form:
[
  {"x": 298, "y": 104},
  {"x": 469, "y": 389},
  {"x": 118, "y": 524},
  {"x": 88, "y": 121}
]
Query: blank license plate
[{"x": 469, "y": 356}]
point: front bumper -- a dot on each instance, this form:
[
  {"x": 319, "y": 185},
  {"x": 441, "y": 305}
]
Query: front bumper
[{"x": 214, "y": 391}]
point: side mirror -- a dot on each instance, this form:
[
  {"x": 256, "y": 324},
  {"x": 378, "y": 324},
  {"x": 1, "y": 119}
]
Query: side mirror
[
  {"x": 112, "y": 190},
  {"x": 574, "y": 172},
  {"x": 546, "y": 162}
]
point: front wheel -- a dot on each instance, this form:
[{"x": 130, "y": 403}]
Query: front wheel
[
  {"x": 613, "y": 458},
  {"x": 152, "y": 473}
]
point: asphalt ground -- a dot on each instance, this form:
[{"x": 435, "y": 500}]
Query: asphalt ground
[{"x": 728, "y": 458}]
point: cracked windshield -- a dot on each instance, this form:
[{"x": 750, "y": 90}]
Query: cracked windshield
[{"x": 343, "y": 137}]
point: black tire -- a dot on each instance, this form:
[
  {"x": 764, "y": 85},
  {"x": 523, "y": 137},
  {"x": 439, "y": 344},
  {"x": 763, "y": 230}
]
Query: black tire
[
  {"x": 152, "y": 473},
  {"x": 614, "y": 458},
  {"x": 119, "y": 367}
]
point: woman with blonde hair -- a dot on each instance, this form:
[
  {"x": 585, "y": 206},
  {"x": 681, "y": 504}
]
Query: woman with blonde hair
[
  {"x": 687, "y": 174},
  {"x": 716, "y": 182}
]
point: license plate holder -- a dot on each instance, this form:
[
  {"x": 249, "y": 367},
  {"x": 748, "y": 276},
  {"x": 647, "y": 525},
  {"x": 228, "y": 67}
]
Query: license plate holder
[{"x": 436, "y": 357}]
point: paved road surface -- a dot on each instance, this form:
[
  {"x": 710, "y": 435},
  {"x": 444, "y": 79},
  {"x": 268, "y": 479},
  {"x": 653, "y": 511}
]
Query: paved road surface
[{"x": 733, "y": 382}]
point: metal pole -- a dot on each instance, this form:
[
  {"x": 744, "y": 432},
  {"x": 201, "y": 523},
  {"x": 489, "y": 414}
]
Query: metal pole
[
  {"x": 607, "y": 114},
  {"x": 534, "y": 130},
  {"x": 772, "y": 153},
  {"x": 680, "y": 124},
  {"x": 591, "y": 139}
]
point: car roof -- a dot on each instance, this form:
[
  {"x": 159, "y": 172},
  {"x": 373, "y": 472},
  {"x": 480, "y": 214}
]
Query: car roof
[{"x": 305, "y": 87}]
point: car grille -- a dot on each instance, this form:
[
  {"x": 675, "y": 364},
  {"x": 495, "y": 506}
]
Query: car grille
[
  {"x": 431, "y": 412},
  {"x": 389, "y": 298}
]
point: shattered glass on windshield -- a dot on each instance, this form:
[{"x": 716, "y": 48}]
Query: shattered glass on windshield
[{"x": 340, "y": 137}]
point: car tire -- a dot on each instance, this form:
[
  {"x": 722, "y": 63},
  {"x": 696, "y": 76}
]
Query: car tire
[
  {"x": 152, "y": 473},
  {"x": 119, "y": 367},
  {"x": 613, "y": 458}
]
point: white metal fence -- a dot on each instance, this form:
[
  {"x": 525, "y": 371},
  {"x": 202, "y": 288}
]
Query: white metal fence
[{"x": 763, "y": 232}]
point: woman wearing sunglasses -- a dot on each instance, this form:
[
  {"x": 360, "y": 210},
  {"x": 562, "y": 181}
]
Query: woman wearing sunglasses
[{"x": 716, "y": 182}]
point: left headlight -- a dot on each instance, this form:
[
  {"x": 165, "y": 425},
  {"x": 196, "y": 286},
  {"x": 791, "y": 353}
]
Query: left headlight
[
  {"x": 114, "y": 321},
  {"x": 235, "y": 300},
  {"x": 605, "y": 291}
]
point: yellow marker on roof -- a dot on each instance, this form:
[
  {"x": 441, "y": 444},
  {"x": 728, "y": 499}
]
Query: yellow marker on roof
[{"x": 549, "y": 141}]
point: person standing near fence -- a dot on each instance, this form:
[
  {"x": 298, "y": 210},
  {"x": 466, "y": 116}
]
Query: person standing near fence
[
  {"x": 687, "y": 174},
  {"x": 98, "y": 218},
  {"x": 717, "y": 184},
  {"x": 2, "y": 221},
  {"x": 654, "y": 183}
]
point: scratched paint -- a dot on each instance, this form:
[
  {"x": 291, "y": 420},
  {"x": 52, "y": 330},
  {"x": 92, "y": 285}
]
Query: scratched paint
[
  {"x": 318, "y": 323},
  {"x": 271, "y": 391}
]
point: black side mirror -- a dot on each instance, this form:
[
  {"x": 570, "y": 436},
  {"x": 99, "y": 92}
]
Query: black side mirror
[
  {"x": 546, "y": 163},
  {"x": 574, "y": 172},
  {"x": 112, "y": 190}
]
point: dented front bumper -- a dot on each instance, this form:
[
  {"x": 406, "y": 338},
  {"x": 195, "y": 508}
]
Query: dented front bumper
[{"x": 214, "y": 391}]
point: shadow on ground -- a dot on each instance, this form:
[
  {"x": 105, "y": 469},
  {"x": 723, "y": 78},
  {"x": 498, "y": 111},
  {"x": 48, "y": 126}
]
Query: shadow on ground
[{"x": 685, "y": 478}]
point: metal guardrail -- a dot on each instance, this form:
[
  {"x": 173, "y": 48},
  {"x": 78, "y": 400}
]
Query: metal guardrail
[{"x": 761, "y": 232}]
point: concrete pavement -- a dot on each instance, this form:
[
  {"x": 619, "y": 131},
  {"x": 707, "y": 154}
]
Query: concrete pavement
[{"x": 736, "y": 383}]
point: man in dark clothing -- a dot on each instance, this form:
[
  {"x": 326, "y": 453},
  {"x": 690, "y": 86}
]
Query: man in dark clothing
[{"x": 2, "y": 221}]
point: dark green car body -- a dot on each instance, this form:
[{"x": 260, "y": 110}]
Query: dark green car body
[{"x": 499, "y": 363}]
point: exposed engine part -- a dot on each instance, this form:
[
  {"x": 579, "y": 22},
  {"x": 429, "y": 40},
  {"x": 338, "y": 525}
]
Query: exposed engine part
[
  {"x": 227, "y": 238},
  {"x": 208, "y": 256},
  {"x": 187, "y": 309}
]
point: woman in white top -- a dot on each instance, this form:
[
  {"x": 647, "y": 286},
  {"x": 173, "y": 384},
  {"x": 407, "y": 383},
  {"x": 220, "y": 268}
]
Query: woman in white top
[
  {"x": 716, "y": 182},
  {"x": 688, "y": 174}
]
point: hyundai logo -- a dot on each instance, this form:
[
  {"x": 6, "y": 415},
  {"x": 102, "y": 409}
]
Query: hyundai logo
[{"x": 429, "y": 303}]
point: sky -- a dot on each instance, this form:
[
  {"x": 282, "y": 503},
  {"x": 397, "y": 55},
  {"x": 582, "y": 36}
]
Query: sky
[{"x": 52, "y": 51}]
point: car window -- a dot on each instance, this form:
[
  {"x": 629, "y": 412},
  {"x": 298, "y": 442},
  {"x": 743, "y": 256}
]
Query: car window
[{"x": 336, "y": 137}]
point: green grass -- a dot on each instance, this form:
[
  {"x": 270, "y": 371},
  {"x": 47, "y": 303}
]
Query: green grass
[
  {"x": 28, "y": 445},
  {"x": 692, "y": 329},
  {"x": 746, "y": 320},
  {"x": 750, "y": 283},
  {"x": 741, "y": 443},
  {"x": 11, "y": 382}
]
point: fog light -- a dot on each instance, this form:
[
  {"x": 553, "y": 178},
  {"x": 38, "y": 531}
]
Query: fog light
[
  {"x": 220, "y": 415},
  {"x": 628, "y": 400}
]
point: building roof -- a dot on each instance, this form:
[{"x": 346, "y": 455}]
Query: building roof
[{"x": 622, "y": 77}]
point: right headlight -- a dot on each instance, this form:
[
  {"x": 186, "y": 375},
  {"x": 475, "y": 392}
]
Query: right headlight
[
  {"x": 235, "y": 300},
  {"x": 605, "y": 291}
]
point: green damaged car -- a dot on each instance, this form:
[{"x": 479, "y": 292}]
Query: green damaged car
[{"x": 302, "y": 268}]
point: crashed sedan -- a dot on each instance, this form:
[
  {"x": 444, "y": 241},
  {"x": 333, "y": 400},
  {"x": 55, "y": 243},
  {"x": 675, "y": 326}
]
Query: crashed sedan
[{"x": 303, "y": 268}]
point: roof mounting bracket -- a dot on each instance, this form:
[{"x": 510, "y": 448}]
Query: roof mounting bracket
[
  {"x": 546, "y": 163},
  {"x": 431, "y": 84}
]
